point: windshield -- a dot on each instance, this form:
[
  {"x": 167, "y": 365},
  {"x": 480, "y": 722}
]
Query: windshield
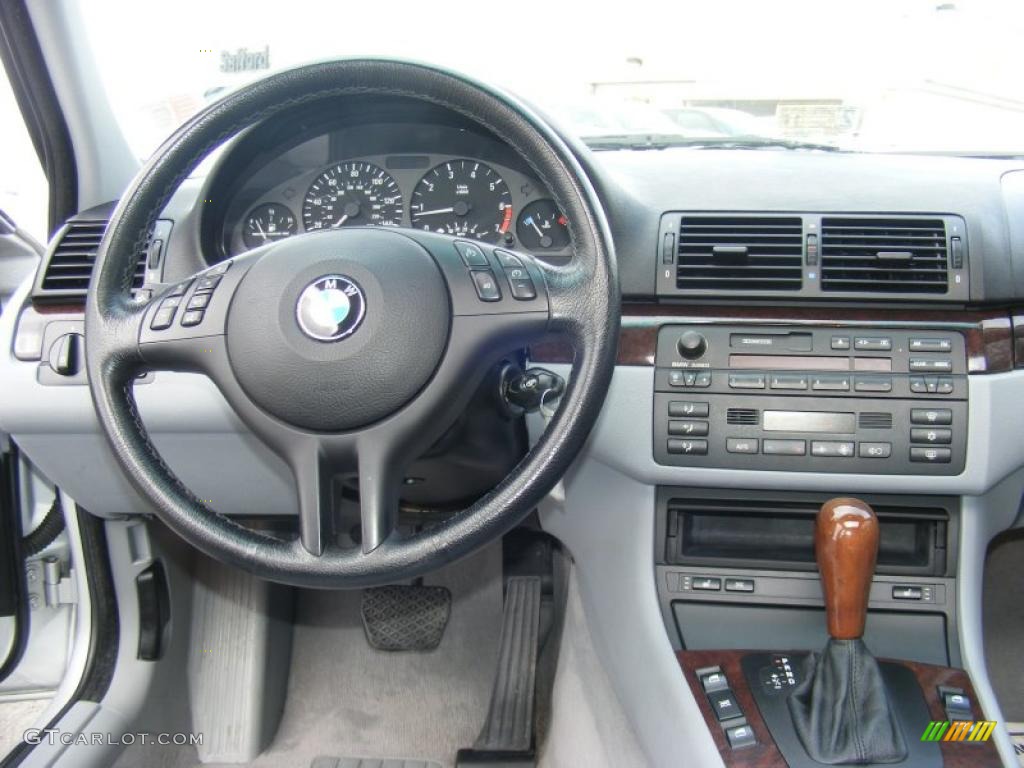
[{"x": 885, "y": 75}]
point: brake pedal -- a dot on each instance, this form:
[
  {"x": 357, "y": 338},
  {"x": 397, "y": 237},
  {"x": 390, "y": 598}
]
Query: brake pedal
[
  {"x": 403, "y": 617},
  {"x": 507, "y": 736}
]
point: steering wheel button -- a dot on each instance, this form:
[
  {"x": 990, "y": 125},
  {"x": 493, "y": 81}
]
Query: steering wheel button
[
  {"x": 207, "y": 283},
  {"x": 486, "y": 286},
  {"x": 199, "y": 301},
  {"x": 219, "y": 269},
  {"x": 192, "y": 317},
  {"x": 171, "y": 301},
  {"x": 522, "y": 288},
  {"x": 163, "y": 318},
  {"x": 507, "y": 259},
  {"x": 471, "y": 255},
  {"x": 179, "y": 289}
]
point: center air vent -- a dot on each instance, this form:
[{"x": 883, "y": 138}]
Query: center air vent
[
  {"x": 884, "y": 255},
  {"x": 740, "y": 253},
  {"x": 68, "y": 268},
  {"x": 742, "y": 416}
]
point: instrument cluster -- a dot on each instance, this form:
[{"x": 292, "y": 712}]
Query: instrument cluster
[{"x": 456, "y": 195}]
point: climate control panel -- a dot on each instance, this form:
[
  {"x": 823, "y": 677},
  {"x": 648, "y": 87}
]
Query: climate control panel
[{"x": 878, "y": 401}]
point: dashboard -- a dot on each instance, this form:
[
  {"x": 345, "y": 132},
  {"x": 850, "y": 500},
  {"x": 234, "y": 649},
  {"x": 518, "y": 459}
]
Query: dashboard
[{"x": 436, "y": 177}]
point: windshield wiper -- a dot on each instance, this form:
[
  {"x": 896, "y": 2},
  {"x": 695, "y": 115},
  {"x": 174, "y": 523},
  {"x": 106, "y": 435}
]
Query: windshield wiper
[{"x": 665, "y": 141}]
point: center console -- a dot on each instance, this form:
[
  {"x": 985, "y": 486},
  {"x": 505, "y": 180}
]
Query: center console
[{"x": 811, "y": 399}]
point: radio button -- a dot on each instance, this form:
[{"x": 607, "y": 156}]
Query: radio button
[
  {"x": 840, "y": 342},
  {"x": 688, "y": 427},
  {"x": 875, "y": 450},
  {"x": 945, "y": 386},
  {"x": 872, "y": 344},
  {"x": 832, "y": 449},
  {"x": 679, "y": 409},
  {"x": 788, "y": 381},
  {"x": 741, "y": 445},
  {"x": 682, "y": 378},
  {"x": 938, "y": 416},
  {"x": 688, "y": 447},
  {"x": 746, "y": 380},
  {"x": 918, "y": 384},
  {"x": 931, "y": 345},
  {"x": 703, "y": 379},
  {"x": 931, "y": 455},
  {"x": 930, "y": 366},
  {"x": 872, "y": 384},
  {"x": 936, "y": 436},
  {"x": 831, "y": 383},
  {"x": 784, "y": 447}
]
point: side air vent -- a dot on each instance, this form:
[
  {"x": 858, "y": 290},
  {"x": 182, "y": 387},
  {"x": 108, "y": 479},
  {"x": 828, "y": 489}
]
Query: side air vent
[
  {"x": 68, "y": 268},
  {"x": 875, "y": 420},
  {"x": 742, "y": 416},
  {"x": 739, "y": 253},
  {"x": 884, "y": 255}
]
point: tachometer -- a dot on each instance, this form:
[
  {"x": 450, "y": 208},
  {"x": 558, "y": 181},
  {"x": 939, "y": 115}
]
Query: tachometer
[
  {"x": 267, "y": 223},
  {"x": 352, "y": 194},
  {"x": 465, "y": 198}
]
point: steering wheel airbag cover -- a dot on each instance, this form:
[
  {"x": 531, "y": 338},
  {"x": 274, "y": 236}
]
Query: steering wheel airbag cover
[{"x": 332, "y": 386}]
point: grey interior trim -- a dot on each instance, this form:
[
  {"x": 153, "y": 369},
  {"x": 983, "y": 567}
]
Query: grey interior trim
[
  {"x": 981, "y": 519},
  {"x": 105, "y": 162},
  {"x": 603, "y": 507}
]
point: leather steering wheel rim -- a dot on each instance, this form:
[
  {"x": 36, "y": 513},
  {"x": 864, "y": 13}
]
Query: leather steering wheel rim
[{"x": 582, "y": 306}]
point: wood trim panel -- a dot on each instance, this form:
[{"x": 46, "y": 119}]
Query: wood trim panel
[
  {"x": 767, "y": 755},
  {"x": 1018, "y": 338},
  {"x": 989, "y": 333}
]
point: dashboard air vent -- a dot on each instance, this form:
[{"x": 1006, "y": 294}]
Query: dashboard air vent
[
  {"x": 740, "y": 253},
  {"x": 69, "y": 266},
  {"x": 746, "y": 416},
  {"x": 884, "y": 255}
]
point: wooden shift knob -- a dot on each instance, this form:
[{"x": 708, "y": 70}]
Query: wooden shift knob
[{"x": 846, "y": 545}]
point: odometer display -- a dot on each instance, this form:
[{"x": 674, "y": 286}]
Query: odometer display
[
  {"x": 465, "y": 198},
  {"x": 354, "y": 194}
]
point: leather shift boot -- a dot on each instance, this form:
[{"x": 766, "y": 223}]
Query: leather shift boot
[{"x": 841, "y": 709}]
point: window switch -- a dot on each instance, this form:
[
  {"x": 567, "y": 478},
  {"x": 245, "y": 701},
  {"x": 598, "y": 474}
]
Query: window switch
[
  {"x": 957, "y": 703},
  {"x": 740, "y": 736},
  {"x": 714, "y": 681},
  {"x": 724, "y": 704}
]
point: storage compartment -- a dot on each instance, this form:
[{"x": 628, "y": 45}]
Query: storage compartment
[{"x": 779, "y": 535}]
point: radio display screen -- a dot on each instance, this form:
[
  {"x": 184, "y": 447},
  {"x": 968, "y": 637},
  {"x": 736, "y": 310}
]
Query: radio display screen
[{"x": 810, "y": 421}]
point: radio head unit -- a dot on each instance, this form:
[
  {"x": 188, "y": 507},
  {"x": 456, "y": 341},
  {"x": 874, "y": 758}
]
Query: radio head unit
[{"x": 864, "y": 400}]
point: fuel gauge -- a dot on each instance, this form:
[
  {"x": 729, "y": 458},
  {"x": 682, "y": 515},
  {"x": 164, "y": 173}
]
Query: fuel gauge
[{"x": 268, "y": 223}]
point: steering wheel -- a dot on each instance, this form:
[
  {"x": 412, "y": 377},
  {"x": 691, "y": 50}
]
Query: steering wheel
[{"x": 350, "y": 351}]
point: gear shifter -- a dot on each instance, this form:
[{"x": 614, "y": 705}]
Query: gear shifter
[{"x": 841, "y": 710}]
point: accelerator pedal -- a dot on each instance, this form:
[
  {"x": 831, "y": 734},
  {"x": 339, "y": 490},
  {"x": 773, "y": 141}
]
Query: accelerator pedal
[
  {"x": 507, "y": 736},
  {"x": 404, "y": 617}
]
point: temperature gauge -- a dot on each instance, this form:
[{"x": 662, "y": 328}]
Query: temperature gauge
[
  {"x": 542, "y": 227},
  {"x": 268, "y": 223}
]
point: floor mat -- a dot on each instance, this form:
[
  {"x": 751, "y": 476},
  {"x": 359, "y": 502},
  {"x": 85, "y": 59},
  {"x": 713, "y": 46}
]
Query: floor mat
[
  {"x": 15, "y": 718},
  {"x": 346, "y": 698}
]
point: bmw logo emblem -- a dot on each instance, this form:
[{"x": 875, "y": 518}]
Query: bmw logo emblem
[{"x": 330, "y": 308}]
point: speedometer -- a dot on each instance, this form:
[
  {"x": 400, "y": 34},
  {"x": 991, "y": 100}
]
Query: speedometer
[
  {"x": 352, "y": 194},
  {"x": 465, "y": 198}
]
